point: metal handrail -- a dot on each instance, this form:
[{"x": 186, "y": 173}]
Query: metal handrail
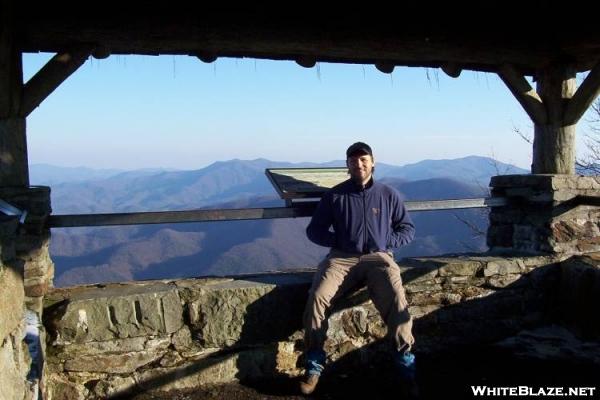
[{"x": 297, "y": 210}]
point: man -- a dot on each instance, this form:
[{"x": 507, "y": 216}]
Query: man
[{"x": 368, "y": 219}]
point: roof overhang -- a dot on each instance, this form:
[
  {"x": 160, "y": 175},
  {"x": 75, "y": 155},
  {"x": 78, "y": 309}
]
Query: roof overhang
[{"x": 386, "y": 39}]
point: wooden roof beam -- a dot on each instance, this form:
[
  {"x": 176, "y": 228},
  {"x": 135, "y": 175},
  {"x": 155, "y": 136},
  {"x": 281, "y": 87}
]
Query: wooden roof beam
[
  {"x": 453, "y": 70},
  {"x": 51, "y": 75},
  {"x": 306, "y": 61},
  {"x": 583, "y": 97},
  {"x": 524, "y": 93},
  {"x": 206, "y": 57},
  {"x": 385, "y": 67},
  {"x": 11, "y": 75}
]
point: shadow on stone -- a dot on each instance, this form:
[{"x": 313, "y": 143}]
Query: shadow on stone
[
  {"x": 242, "y": 337},
  {"x": 458, "y": 349}
]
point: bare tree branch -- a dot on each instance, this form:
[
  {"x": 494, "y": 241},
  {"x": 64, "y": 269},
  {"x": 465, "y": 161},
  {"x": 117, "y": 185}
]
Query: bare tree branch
[
  {"x": 589, "y": 164},
  {"x": 469, "y": 247},
  {"x": 523, "y": 136},
  {"x": 496, "y": 164},
  {"x": 477, "y": 232}
]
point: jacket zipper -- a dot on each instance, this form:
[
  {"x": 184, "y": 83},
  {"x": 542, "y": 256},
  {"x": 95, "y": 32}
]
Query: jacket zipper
[{"x": 365, "y": 243}]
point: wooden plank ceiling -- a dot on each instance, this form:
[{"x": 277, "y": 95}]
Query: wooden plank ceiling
[{"x": 415, "y": 37}]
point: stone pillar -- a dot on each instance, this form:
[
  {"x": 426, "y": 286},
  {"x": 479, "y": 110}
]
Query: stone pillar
[
  {"x": 32, "y": 241},
  {"x": 26, "y": 273},
  {"x": 14, "y": 364},
  {"x": 546, "y": 214}
]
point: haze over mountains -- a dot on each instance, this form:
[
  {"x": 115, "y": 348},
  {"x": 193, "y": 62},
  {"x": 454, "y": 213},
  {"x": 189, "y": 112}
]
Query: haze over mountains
[{"x": 87, "y": 255}]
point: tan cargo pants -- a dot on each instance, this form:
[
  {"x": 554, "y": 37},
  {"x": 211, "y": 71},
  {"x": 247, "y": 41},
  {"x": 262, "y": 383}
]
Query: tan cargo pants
[{"x": 341, "y": 273}]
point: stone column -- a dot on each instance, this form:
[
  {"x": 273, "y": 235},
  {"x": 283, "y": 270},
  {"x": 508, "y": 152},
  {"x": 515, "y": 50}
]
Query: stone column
[
  {"x": 546, "y": 214},
  {"x": 14, "y": 364},
  {"x": 32, "y": 241},
  {"x": 26, "y": 273}
]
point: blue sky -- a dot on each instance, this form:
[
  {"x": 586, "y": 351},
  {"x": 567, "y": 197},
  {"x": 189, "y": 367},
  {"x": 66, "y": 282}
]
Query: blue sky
[{"x": 132, "y": 112}]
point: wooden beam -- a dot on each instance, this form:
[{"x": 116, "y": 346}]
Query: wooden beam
[
  {"x": 11, "y": 75},
  {"x": 101, "y": 52},
  {"x": 13, "y": 144},
  {"x": 345, "y": 37},
  {"x": 207, "y": 57},
  {"x": 6, "y": 50},
  {"x": 453, "y": 70},
  {"x": 385, "y": 67},
  {"x": 14, "y": 170},
  {"x": 47, "y": 79},
  {"x": 524, "y": 93},
  {"x": 583, "y": 97},
  {"x": 306, "y": 61}
]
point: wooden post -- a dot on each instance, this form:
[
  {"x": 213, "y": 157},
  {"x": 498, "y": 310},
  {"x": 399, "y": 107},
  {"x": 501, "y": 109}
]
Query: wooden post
[
  {"x": 554, "y": 140},
  {"x": 555, "y": 108},
  {"x": 14, "y": 170}
]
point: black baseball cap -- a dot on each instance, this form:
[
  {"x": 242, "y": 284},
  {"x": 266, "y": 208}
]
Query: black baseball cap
[{"x": 359, "y": 148}]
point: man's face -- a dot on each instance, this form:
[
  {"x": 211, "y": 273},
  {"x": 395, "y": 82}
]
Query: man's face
[{"x": 360, "y": 167}]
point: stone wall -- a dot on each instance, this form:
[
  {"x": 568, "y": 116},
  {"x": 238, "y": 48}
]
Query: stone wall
[
  {"x": 106, "y": 340},
  {"x": 32, "y": 241},
  {"x": 580, "y": 296},
  {"x": 546, "y": 214},
  {"x": 26, "y": 273},
  {"x": 14, "y": 361}
]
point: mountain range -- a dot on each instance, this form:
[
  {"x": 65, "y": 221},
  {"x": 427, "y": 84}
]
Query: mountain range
[{"x": 87, "y": 255}]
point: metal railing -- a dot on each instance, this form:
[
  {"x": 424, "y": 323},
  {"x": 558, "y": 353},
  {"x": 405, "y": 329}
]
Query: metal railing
[{"x": 297, "y": 210}]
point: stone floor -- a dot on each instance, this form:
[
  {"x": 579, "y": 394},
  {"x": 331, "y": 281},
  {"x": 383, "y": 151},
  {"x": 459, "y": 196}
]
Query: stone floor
[{"x": 449, "y": 375}]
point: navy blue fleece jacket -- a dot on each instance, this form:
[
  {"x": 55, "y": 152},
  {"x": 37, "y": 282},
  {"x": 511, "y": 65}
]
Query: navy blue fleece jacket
[{"x": 363, "y": 220}]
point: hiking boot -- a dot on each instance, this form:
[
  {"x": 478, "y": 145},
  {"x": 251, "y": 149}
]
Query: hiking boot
[
  {"x": 315, "y": 363},
  {"x": 309, "y": 383}
]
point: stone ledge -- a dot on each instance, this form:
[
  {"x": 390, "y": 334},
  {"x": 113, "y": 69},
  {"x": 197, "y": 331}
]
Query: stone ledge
[
  {"x": 543, "y": 215},
  {"x": 252, "y": 310},
  {"x": 96, "y": 313},
  {"x": 546, "y": 182},
  {"x": 544, "y": 191},
  {"x": 225, "y": 329}
]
